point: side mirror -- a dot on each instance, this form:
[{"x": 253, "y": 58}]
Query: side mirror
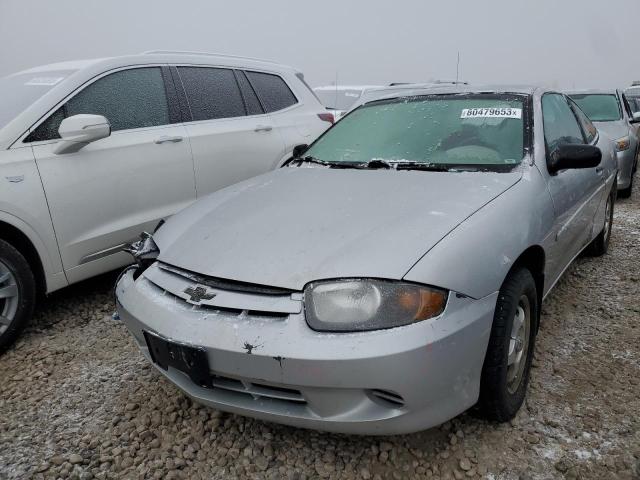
[
  {"x": 299, "y": 150},
  {"x": 78, "y": 131},
  {"x": 570, "y": 156},
  {"x": 636, "y": 117}
]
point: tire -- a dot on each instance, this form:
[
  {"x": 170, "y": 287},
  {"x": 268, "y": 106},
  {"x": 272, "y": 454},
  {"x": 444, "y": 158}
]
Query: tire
[
  {"x": 600, "y": 244},
  {"x": 17, "y": 294},
  {"x": 626, "y": 192},
  {"x": 504, "y": 381}
]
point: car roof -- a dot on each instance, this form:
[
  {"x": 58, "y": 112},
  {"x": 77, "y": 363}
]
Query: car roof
[
  {"x": 594, "y": 91},
  {"x": 69, "y": 65},
  {"x": 345, "y": 87},
  {"x": 160, "y": 57},
  {"x": 439, "y": 89}
]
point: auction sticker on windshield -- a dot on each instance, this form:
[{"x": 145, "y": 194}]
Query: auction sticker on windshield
[{"x": 491, "y": 113}]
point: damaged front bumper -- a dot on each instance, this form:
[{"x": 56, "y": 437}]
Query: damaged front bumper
[{"x": 274, "y": 367}]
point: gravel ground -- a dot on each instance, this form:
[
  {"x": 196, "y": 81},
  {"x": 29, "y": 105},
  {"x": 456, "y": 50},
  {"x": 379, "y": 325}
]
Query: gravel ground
[{"x": 77, "y": 400}]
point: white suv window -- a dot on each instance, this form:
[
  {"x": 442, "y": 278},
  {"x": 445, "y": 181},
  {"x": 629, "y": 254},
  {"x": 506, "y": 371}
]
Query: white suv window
[
  {"x": 129, "y": 99},
  {"x": 212, "y": 93},
  {"x": 273, "y": 91}
]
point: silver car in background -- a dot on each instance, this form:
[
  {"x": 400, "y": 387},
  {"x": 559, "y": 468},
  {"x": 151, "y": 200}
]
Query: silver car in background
[
  {"x": 611, "y": 114},
  {"x": 389, "y": 276}
]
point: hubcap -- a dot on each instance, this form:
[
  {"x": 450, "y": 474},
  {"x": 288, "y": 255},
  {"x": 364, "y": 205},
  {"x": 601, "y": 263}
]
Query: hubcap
[
  {"x": 607, "y": 220},
  {"x": 9, "y": 298},
  {"x": 518, "y": 344}
]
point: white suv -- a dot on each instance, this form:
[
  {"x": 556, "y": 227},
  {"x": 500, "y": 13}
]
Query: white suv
[{"x": 94, "y": 152}]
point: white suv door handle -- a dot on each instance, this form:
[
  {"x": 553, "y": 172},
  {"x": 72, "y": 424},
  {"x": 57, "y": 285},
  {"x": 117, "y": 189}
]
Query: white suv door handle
[
  {"x": 263, "y": 128},
  {"x": 167, "y": 138}
]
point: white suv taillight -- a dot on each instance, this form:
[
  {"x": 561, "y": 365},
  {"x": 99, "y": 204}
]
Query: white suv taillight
[{"x": 327, "y": 117}]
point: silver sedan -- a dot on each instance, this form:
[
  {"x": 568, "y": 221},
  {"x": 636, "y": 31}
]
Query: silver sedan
[
  {"x": 612, "y": 115},
  {"x": 387, "y": 278}
]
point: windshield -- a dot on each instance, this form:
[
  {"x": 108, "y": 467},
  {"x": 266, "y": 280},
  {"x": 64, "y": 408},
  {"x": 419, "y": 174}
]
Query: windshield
[
  {"x": 19, "y": 91},
  {"x": 338, "y": 99},
  {"x": 599, "y": 107},
  {"x": 473, "y": 130}
]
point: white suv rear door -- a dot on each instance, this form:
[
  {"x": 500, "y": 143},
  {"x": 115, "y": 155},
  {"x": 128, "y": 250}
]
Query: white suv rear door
[
  {"x": 232, "y": 138},
  {"x": 108, "y": 192}
]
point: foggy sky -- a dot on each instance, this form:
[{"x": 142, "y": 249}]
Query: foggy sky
[{"x": 559, "y": 43}]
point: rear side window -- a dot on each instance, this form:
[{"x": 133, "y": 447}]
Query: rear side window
[
  {"x": 212, "y": 93},
  {"x": 560, "y": 123},
  {"x": 133, "y": 98},
  {"x": 273, "y": 91}
]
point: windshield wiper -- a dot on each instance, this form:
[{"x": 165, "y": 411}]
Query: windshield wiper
[
  {"x": 378, "y": 163},
  {"x": 318, "y": 161},
  {"x": 428, "y": 167}
]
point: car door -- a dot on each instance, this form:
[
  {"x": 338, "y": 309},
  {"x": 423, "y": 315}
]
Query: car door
[
  {"x": 232, "y": 138},
  {"x": 106, "y": 194},
  {"x": 576, "y": 193}
]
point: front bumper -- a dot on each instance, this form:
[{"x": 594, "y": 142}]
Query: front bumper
[{"x": 392, "y": 381}]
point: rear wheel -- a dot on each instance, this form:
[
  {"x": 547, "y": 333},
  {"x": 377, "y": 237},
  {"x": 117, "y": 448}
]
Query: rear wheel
[
  {"x": 600, "y": 244},
  {"x": 505, "y": 373},
  {"x": 17, "y": 293}
]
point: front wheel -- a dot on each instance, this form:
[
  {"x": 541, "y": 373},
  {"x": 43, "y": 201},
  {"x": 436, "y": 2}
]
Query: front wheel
[
  {"x": 626, "y": 192},
  {"x": 17, "y": 293},
  {"x": 507, "y": 364},
  {"x": 600, "y": 244}
]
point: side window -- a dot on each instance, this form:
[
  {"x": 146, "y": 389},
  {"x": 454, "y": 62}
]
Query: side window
[
  {"x": 588, "y": 128},
  {"x": 250, "y": 98},
  {"x": 560, "y": 124},
  {"x": 212, "y": 92},
  {"x": 273, "y": 91},
  {"x": 132, "y": 98}
]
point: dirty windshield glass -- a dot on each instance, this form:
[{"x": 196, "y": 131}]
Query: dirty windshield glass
[
  {"x": 599, "y": 107},
  {"x": 476, "y": 130},
  {"x": 19, "y": 91}
]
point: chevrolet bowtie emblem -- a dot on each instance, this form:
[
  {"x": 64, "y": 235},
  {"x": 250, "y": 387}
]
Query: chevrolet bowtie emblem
[{"x": 198, "y": 294}]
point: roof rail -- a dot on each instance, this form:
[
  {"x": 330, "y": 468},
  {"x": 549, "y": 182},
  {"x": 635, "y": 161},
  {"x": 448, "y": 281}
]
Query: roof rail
[{"x": 209, "y": 54}]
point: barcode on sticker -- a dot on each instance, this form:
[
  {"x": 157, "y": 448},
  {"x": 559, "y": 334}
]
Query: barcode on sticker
[{"x": 491, "y": 113}]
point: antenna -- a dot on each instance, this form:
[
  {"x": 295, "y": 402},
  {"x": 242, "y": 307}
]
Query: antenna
[
  {"x": 335, "y": 103},
  {"x": 458, "y": 67}
]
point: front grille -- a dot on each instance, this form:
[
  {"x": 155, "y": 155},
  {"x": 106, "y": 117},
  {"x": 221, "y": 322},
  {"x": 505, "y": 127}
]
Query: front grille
[
  {"x": 223, "y": 284},
  {"x": 225, "y": 297},
  {"x": 258, "y": 391}
]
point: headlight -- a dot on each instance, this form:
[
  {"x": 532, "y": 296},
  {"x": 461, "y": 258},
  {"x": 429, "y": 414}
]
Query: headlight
[
  {"x": 622, "y": 144},
  {"x": 367, "y": 304}
]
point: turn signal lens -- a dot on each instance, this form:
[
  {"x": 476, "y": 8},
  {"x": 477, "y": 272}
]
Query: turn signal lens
[
  {"x": 422, "y": 303},
  {"x": 622, "y": 144}
]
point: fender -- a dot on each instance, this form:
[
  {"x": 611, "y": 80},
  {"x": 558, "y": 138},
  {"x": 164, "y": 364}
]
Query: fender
[
  {"x": 475, "y": 257},
  {"x": 51, "y": 263}
]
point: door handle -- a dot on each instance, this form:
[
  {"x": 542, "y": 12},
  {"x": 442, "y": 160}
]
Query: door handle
[
  {"x": 263, "y": 128},
  {"x": 168, "y": 139}
]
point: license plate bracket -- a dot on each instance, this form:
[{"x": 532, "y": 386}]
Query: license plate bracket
[{"x": 186, "y": 358}]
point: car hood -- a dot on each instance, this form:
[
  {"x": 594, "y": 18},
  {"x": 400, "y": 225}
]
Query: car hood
[
  {"x": 614, "y": 130},
  {"x": 295, "y": 225}
]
